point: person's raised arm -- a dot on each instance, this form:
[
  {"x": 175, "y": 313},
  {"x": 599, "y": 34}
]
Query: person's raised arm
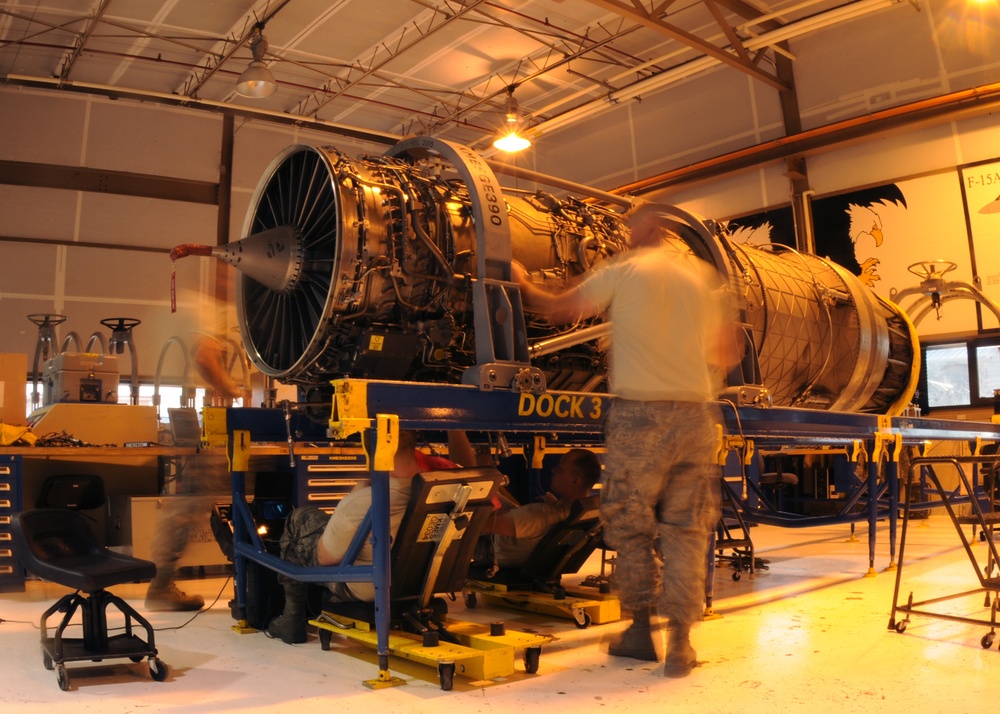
[
  {"x": 460, "y": 449},
  {"x": 558, "y": 307},
  {"x": 208, "y": 358}
]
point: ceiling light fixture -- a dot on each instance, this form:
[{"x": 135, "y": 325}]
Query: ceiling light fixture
[
  {"x": 257, "y": 81},
  {"x": 510, "y": 139}
]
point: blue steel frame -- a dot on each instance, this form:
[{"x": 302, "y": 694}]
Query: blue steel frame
[
  {"x": 358, "y": 406},
  {"x": 880, "y": 437},
  {"x": 244, "y": 426}
]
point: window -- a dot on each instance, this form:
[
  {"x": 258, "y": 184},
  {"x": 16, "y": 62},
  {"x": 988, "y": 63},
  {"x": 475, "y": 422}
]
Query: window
[
  {"x": 947, "y": 375},
  {"x": 988, "y": 363},
  {"x": 956, "y": 374}
]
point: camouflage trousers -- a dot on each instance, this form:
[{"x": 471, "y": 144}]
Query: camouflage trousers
[
  {"x": 303, "y": 529},
  {"x": 201, "y": 478},
  {"x": 661, "y": 491}
]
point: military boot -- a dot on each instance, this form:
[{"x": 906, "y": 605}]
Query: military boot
[
  {"x": 290, "y": 625},
  {"x": 164, "y": 596},
  {"x": 637, "y": 639},
  {"x": 681, "y": 657}
]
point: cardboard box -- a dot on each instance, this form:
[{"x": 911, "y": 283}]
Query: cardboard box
[
  {"x": 135, "y": 521},
  {"x": 13, "y": 387}
]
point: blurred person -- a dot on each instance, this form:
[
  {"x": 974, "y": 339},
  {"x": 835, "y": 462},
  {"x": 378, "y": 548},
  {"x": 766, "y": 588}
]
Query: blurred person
[
  {"x": 201, "y": 476},
  {"x": 671, "y": 341}
]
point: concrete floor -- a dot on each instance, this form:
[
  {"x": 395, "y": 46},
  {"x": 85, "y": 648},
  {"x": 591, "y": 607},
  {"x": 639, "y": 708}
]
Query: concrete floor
[{"x": 809, "y": 634}]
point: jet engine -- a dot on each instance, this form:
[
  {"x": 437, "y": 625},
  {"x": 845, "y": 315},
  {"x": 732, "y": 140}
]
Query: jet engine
[{"x": 367, "y": 267}]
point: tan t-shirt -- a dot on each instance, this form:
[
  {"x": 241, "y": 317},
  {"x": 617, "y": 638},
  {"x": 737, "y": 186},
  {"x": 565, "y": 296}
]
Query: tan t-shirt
[
  {"x": 351, "y": 511},
  {"x": 665, "y": 318},
  {"x": 531, "y": 522}
]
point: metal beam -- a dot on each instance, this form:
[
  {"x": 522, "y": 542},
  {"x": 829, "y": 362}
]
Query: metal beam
[
  {"x": 81, "y": 40},
  {"x": 380, "y": 55},
  {"x": 61, "y": 242},
  {"x": 651, "y": 19},
  {"x": 223, "y": 283},
  {"x": 748, "y": 11},
  {"x": 79, "y": 178},
  {"x": 176, "y": 100}
]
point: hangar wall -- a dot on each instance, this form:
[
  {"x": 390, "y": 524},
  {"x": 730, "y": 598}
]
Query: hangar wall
[{"x": 90, "y": 255}]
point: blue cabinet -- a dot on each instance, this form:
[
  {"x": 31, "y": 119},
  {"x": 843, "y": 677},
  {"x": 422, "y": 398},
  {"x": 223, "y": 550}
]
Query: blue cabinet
[
  {"x": 11, "y": 572},
  {"x": 325, "y": 478}
]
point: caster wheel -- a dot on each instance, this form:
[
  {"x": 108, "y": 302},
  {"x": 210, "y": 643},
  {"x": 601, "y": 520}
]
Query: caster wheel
[
  {"x": 324, "y": 639},
  {"x": 62, "y": 678},
  {"x": 987, "y": 640},
  {"x": 584, "y": 622},
  {"x": 157, "y": 670},
  {"x": 901, "y": 626},
  {"x": 737, "y": 576},
  {"x": 47, "y": 661},
  {"x": 136, "y": 658},
  {"x": 471, "y": 600},
  {"x": 531, "y": 657},
  {"x": 446, "y": 673}
]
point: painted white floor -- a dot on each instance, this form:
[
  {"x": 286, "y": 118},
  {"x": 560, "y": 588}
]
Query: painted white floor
[{"x": 809, "y": 634}]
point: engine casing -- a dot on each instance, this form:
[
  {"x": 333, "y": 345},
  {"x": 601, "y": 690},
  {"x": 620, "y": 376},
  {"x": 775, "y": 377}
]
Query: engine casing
[{"x": 376, "y": 258}]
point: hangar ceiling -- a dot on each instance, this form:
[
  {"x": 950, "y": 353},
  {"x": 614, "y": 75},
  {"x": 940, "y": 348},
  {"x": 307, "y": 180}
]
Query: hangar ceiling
[{"x": 383, "y": 69}]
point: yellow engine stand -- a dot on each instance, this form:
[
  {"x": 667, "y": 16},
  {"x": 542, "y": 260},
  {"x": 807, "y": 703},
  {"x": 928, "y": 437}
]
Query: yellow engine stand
[
  {"x": 584, "y": 605},
  {"x": 479, "y": 655}
]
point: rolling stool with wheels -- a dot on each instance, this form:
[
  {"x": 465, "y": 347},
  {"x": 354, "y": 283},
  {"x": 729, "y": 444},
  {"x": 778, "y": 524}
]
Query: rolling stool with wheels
[{"x": 58, "y": 545}]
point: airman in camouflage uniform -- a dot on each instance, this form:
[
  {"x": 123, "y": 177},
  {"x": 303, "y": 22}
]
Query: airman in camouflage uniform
[{"x": 671, "y": 340}]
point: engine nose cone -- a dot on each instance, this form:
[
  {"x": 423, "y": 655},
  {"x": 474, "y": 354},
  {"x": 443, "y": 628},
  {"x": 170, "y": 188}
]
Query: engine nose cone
[{"x": 273, "y": 258}]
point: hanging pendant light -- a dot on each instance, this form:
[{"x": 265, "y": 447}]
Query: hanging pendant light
[
  {"x": 510, "y": 138},
  {"x": 257, "y": 82}
]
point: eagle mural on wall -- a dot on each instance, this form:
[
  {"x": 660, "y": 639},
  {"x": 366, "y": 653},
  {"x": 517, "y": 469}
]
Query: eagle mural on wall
[{"x": 847, "y": 228}]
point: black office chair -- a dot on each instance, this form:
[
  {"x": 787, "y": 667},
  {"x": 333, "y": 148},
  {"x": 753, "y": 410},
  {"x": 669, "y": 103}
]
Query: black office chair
[
  {"x": 77, "y": 492},
  {"x": 58, "y": 545}
]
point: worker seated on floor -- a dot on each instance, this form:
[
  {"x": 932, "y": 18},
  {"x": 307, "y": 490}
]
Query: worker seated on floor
[
  {"x": 513, "y": 531},
  {"x": 314, "y": 538}
]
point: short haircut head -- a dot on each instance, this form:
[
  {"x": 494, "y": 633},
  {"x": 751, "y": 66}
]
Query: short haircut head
[
  {"x": 407, "y": 440},
  {"x": 649, "y": 221},
  {"x": 586, "y": 464}
]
